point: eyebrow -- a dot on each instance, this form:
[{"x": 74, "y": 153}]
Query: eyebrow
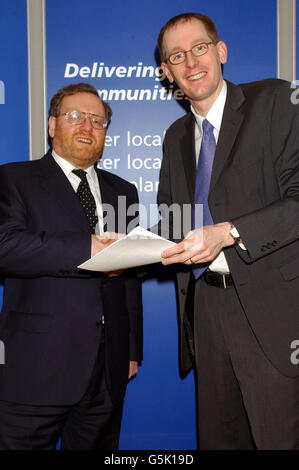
[
  {"x": 86, "y": 112},
  {"x": 197, "y": 41}
]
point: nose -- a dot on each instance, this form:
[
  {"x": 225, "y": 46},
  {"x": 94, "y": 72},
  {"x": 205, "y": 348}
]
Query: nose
[
  {"x": 86, "y": 125},
  {"x": 190, "y": 60}
]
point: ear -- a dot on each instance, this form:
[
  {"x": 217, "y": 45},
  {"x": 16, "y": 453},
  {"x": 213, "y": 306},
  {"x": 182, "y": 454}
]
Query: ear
[
  {"x": 52, "y": 125},
  {"x": 222, "y": 51},
  {"x": 167, "y": 72}
]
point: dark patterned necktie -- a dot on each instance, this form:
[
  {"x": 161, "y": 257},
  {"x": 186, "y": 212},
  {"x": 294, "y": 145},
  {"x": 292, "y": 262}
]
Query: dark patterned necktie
[
  {"x": 86, "y": 198},
  {"x": 203, "y": 179}
]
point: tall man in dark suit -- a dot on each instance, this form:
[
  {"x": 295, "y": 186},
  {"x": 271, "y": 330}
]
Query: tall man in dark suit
[
  {"x": 72, "y": 338},
  {"x": 236, "y": 153}
]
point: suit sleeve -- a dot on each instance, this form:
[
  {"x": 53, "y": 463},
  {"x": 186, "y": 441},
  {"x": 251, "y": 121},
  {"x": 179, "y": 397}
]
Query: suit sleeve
[
  {"x": 28, "y": 253},
  {"x": 276, "y": 225}
]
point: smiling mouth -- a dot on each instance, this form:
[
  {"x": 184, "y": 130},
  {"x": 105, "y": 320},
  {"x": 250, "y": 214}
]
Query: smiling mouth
[
  {"x": 197, "y": 76},
  {"x": 85, "y": 140}
]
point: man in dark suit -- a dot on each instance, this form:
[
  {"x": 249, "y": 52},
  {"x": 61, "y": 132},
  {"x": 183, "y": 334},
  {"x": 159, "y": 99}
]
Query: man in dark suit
[
  {"x": 238, "y": 275},
  {"x": 72, "y": 338}
]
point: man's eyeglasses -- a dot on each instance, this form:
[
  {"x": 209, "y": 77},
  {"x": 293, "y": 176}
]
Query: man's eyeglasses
[
  {"x": 79, "y": 117},
  {"x": 197, "y": 50}
]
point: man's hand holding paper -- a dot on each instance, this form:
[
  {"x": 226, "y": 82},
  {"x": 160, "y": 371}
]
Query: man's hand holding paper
[{"x": 113, "y": 253}]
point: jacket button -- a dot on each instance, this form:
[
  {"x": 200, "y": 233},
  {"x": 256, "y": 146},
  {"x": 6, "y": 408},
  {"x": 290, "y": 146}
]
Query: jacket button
[
  {"x": 183, "y": 291},
  {"x": 98, "y": 323}
]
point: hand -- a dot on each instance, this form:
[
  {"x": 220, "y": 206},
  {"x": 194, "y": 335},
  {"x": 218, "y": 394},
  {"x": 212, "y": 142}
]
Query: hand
[
  {"x": 99, "y": 242},
  {"x": 201, "y": 245},
  {"x": 133, "y": 368},
  {"x": 114, "y": 273}
]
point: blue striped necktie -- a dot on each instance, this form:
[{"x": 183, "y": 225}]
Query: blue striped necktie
[{"x": 202, "y": 183}]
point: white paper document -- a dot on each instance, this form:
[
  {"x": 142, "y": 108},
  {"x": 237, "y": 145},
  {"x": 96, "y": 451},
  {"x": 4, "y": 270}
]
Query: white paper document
[{"x": 138, "y": 248}]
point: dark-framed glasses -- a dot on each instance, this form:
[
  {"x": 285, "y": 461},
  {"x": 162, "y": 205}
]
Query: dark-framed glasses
[
  {"x": 197, "y": 50},
  {"x": 79, "y": 117}
]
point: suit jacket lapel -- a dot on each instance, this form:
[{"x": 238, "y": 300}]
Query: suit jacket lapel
[
  {"x": 231, "y": 122},
  {"x": 109, "y": 196},
  {"x": 54, "y": 181},
  {"x": 187, "y": 152}
]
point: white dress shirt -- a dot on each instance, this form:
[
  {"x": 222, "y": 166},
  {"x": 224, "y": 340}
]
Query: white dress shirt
[
  {"x": 214, "y": 116},
  {"x": 93, "y": 182}
]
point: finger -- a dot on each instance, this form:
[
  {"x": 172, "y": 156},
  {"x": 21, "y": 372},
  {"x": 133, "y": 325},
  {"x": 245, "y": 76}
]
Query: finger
[
  {"x": 180, "y": 258},
  {"x": 108, "y": 236},
  {"x": 173, "y": 250},
  {"x": 114, "y": 273},
  {"x": 133, "y": 370},
  {"x": 104, "y": 240},
  {"x": 193, "y": 260},
  {"x": 204, "y": 257}
]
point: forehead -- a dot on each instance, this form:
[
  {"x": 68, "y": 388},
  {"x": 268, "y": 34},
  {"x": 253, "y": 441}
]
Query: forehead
[
  {"x": 183, "y": 33},
  {"x": 82, "y": 102}
]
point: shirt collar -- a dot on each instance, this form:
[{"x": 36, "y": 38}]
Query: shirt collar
[
  {"x": 67, "y": 167},
  {"x": 214, "y": 115}
]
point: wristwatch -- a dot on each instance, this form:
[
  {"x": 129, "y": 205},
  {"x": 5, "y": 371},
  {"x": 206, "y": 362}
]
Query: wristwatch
[{"x": 235, "y": 234}]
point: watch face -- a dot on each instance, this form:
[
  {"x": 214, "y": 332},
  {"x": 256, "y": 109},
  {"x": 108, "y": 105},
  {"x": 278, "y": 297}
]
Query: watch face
[{"x": 235, "y": 234}]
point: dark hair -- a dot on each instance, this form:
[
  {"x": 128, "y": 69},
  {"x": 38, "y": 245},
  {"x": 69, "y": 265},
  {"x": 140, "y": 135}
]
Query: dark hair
[
  {"x": 72, "y": 90},
  {"x": 206, "y": 20}
]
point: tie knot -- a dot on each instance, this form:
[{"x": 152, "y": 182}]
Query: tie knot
[
  {"x": 80, "y": 173},
  {"x": 207, "y": 126}
]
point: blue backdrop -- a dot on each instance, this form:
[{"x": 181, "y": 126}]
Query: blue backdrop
[
  {"x": 14, "y": 143},
  {"x": 112, "y": 46},
  {"x": 100, "y": 47}
]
